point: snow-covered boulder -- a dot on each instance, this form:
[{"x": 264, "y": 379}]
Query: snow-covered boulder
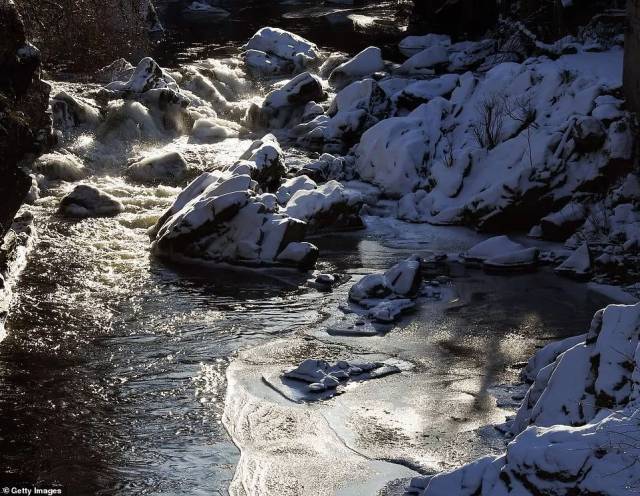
[
  {"x": 492, "y": 248},
  {"x": 367, "y": 62},
  {"x": 327, "y": 207},
  {"x": 578, "y": 265},
  {"x": 201, "y": 13},
  {"x": 167, "y": 168},
  {"x": 60, "y": 166},
  {"x": 219, "y": 218},
  {"x": 402, "y": 281},
  {"x": 88, "y": 201},
  {"x": 525, "y": 259},
  {"x": 283, "y": 104},
  {"x": 415, "y": 94},
  {"x": 411, "y": 45},
  {"x": 292, "y": 186},
  {"x": 148, "y": 75},
  {"x": 264, "y": 162},
  {"x": 273, "y": 51},
  {"x": 426, "y": 62}
]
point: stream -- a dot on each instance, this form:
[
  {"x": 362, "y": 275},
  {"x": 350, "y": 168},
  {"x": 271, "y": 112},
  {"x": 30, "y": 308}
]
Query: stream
[{"x": 112, "y": 374}]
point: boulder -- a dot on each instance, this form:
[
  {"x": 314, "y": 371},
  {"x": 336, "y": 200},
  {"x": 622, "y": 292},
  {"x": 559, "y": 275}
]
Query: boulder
[
  {"x": 367, "y": 62},
  {"x": 88, "y": 201},
  {"x": 167, "y": 168},
  {"x": 59, "y": 166},
  {"x": 264, "y": 161},
  {"x": 578, "y": 265},
  {"x": 273, "y": 51}
]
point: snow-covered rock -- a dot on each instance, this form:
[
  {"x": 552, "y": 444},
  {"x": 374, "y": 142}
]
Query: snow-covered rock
[
  {"x": 219, "y": 218},
  {"x": 283, "y": 104},
  {"x": 148, "y": 75},
  {"x": 411, "y": 45},
  {"x": 367, "y": 62},
  {"x": 167, "y": 168},
  {"x": 524, "y": 259},
  {"x": 327, "y": 207},
  {"x": 402, "y": 281},
  {"x": 273, "y": 51},
  {"x": 492, "y": 248},
  {"x": 355, "y": 109},
  {"x": 498, "y": 150},
  {"x": 426, "y": 62},
  {"x": 264, "y": 162},
  {"x": 292, "y": 186},
  {"x": 88, "y": 201},
  {"x": 578, "y": 265},
  {"x": 558, "y": 226},
  {"x": 201, "y": 13},
  {"x": 60, "y": 166},
  {"x": 322, "y": 375},
  {"x": 70, "y": 112}
]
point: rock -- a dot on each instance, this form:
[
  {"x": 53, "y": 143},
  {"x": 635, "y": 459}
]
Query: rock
[
  {"x": 274, "y": 51},
  {"x": 578, "y": 265},
  {"x": 402, "y": 281},
  {"x": 118, "y": 70},
  {"x": 87, "y": 201},
  {"x": 560, "y": 225},
  {"x": 412, "y": 45},
  {"x": 328, "y": 207},
  {"x": 200, "y": 13},
  {"x": 519, "y": 260},
  {"x": 426, "y": 62},
  {"x": 589, "y": 134},
  {"x": 389, "y": 311},
  {"x": 148, "y": 75},
  {"x": 60, "y": 166},
  {"x": 25, "y": 126},
  {"x": 168, "y": 168},
  {"x": 282, "y": 105},
  {"x": 492, "y": 248},
  {"x": 71, "y": 112},
  {"x": 367, "y": 62},
  {"x": 265, "y": 162},
  {"x": 219, "y": 218},
  {"x": 292, "y": 186}
]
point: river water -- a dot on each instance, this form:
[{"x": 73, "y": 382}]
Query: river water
[{"x": 112, "y": 376}]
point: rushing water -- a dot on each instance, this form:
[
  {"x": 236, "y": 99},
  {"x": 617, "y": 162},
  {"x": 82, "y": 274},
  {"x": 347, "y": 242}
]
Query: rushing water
[{"x": 112, "y": 374}]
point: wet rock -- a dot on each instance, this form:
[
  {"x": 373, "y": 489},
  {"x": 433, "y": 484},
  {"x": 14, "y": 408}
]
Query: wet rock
[
  {"x": 59, "y": 166},
  {"x": 87, "y": 201},
  {"x": 168, "y": 168},
  {"x": 25, "y": 126},
  {"x": 71, "y": 112}
]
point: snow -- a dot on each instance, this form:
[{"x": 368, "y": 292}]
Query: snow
[
  {"x": 292, "y": 186},
  {"x": 426, "y": 61},
  {"x": 88, "y": 201},
  {"x": 519, "y": 259},
  {"x": 148, "y": 75}
]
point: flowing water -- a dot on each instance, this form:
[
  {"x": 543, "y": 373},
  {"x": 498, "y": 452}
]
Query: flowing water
[{"x": 112, "y": 376}]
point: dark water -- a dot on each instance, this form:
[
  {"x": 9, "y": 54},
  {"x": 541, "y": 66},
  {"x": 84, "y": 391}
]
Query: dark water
[{"x": 380, "y": 23}]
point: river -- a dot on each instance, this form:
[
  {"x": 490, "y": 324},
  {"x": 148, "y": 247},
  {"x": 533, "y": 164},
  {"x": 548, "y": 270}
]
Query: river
[{"x": 112, "y": 375}]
